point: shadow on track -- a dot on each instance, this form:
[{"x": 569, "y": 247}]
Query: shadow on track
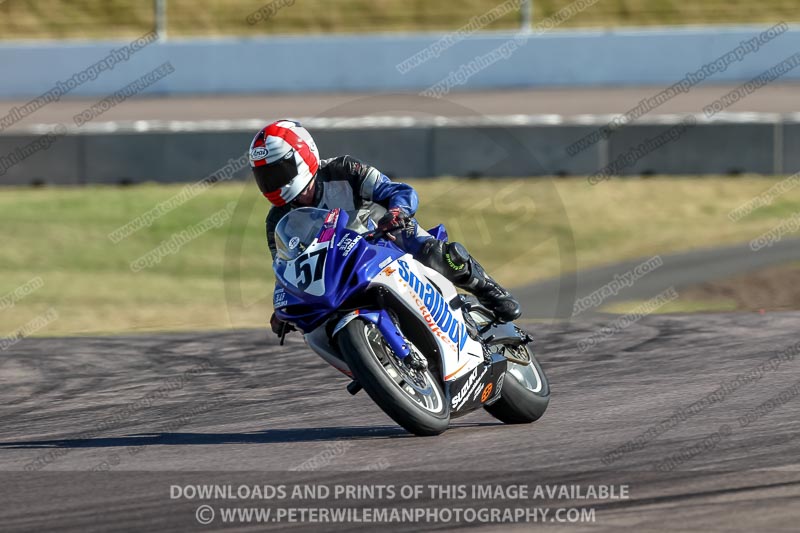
[{"x": 270, "y": 436}]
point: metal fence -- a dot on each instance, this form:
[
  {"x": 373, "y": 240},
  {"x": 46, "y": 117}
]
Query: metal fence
[{"x": 96, "y": 19}]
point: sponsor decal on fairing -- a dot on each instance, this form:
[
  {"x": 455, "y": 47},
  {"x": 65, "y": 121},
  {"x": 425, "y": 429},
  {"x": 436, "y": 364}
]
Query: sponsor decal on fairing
[
  {"x": 435, "y": 303},
  {"x": 279, "y": 297},
  {"x": 473, "y": 381},
  {"x": 347, "y": 244}
]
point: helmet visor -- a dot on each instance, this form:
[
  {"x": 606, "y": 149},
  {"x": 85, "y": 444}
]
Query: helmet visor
[{"x": 273, "y": 176}]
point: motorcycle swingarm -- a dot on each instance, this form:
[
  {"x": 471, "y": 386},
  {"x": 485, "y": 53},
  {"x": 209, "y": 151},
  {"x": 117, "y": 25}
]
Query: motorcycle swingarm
[{"x": 507, "y": 333}]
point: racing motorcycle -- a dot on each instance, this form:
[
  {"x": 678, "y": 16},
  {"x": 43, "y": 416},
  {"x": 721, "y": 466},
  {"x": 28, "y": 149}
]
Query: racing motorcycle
[{"x": 423, "y": 352}]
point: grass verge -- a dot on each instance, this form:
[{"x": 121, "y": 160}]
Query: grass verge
[
  {"x": 678, "y": 306},
  {"x": 118, "y": 18},
  {"x": 521, "y": 230},
  {"x": 775, "y": 288}
]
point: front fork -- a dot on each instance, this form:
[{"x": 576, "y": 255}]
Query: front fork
[{"x": 391, "y": 333}]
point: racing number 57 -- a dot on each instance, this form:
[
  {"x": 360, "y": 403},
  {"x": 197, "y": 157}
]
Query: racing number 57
[{"x": 310, "y": 267}]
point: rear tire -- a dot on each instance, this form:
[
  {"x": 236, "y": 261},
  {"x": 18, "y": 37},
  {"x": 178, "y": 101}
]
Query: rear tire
[
  {"x": 525, "y": 394},
  {"x": 372, "y": 363}
]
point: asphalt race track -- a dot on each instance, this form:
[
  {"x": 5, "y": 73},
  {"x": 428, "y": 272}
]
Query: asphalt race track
[
  {"x": 775, "y": 98},
  {"x": 152, "y": 411},
  {"x": 556, "y": 297}
]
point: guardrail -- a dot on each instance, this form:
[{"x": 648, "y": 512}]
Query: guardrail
[{"x": 727, "y": 143}]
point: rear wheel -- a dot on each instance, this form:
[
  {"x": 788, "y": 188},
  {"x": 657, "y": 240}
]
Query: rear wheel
[
  {"x": 526, "y": 391},
  {"x": 412, "y": 398}
]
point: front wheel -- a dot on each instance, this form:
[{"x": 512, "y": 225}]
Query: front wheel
[
  {"x": 411, "y": 398},
  {"x": 525, "y": 393}
]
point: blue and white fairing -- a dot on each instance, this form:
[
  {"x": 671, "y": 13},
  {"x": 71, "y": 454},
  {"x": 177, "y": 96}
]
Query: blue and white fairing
[{"x": 321, "y": 264}]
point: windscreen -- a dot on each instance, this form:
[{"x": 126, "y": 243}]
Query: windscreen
[{"x": 296, "y": 230}]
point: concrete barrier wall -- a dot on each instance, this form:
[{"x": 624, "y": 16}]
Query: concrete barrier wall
[
  {"x": 702, "y": 149},
  {"x": 761, "y": 146},
  {"x": 158, "y": 156},
  {"x": 369, "y": 62},
  {"x": 59, "y": 164},
  {"x": 511, "y": 151},
  {"x": 790, "y": 148}
]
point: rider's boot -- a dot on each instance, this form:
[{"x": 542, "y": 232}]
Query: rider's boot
[{"x": 456, "y": 264}]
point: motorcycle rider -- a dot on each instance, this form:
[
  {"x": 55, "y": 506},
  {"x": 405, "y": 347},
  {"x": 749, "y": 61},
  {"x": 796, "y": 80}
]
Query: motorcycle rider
[{"x": 287, "y": 168}]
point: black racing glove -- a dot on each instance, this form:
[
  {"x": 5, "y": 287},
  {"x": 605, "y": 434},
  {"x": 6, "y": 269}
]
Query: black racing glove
[
  {"x": 280, "y": 327},
  {"x": 395, "y": 218}
]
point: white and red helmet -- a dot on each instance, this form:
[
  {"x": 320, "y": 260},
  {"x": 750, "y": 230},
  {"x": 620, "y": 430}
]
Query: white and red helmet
[{"x": 284, "y": 159}]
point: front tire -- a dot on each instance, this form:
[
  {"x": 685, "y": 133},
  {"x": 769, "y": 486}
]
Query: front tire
[
  {"x": 525, "y": 394},
  {"x": 412, "y": 399}
]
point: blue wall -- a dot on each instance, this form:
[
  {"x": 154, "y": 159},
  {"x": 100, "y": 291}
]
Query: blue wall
[{"x": 368, "y": 63}]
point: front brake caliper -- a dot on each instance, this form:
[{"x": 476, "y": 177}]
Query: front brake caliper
[{"x": 416, "y": 361}]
